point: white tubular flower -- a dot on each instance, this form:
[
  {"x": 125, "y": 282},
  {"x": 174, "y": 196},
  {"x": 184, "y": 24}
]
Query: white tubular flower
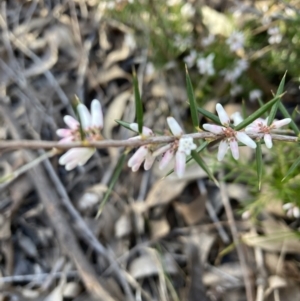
[
  {"x": 91, "y": 126},
  {"x": 174, "y": 127},
  {"x": 236, "y": 41},
  {"x": 205, "y": 65},
  {"x": 231, "y": 136},
  {"x": 97, "y": 115},
  {"x": 76, "y": 157},
  {"x": 144, "y": 153},
  {"x": 261, "y": 126},
  {"x": 181, "y": 148}
]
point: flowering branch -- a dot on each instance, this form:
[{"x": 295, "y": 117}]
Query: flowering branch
[{"x": 42, "y": 144}]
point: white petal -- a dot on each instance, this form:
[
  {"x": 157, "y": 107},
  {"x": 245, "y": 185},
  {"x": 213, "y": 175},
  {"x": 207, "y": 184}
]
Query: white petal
[
  {"x": 268, "y": 140},
  {"x": 64, "y": 133},
  {"x": 167, "y": 157},
  {"x": 162, "y": 150},
  {"x": 237, "y": 118},
  {"x": 296, "y": 212},
  {"x": 86, "y": 154},
  {"x": 66, "y": 139},
  {"x": 244, "y": 138},
  {"x": 71, "y": 122},
  {"x": 234, "y": 148},
  {"x": 138, "y": 157},
  {"x": 97, "y": 115},
  {"x": 149, "y": 161},
  {"x": 85, "y": 116},
  {"x": 225, "y": 120},
  {"x": 174, "y": 126},
  {"x": 80, "y": 155},
  {"x": 71, "y": 165},
  {"x": 146, "y": 131},
  {"x": 287, "y": 206},
  {"x": 279, "y": 123},
  {"x": 180, "y": 164},
  {"x": 216, "y": 129},
  {"x": 223, "y": 147}
]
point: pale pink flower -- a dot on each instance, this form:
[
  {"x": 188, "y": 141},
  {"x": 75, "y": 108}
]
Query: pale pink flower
[
  {"x": 205, "y": 65},
  {"x": 180, "y": 149},
  {"x": 231, "y": 136},
  {"x": 260, "y": 125},
  {"x": 91, "y": 124},
  {"x": 143, "y": 153},
  {"x": 191, "y": 58}
]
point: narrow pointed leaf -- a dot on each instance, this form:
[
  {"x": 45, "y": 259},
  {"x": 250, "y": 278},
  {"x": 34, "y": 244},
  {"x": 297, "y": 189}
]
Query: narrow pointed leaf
[
  {"x": 204, "y": 166},
  {"x": 286, "y": 114},
  {"x": 113, "y": 181},
  {"x": 275, "y": 107},
  {"x": 138, "y": 103},
  {"x": 259, "y": 163},
  {"x": 292, "y": 169},
  {"x": 209, "y": 115},
  {"x": 124, "y": 124},
  {"x": 192, "y": 101},
  {"x": 257, "y": 114},
  {"x": 189, "y": 158}
]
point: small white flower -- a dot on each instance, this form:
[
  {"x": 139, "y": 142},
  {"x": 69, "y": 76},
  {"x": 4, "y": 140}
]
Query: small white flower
[
  {"x": 291, "y": 210},
  {"x": 186, "y": 145},
  {"x": 236, "y": 90},
  {"x": 255, "y": 94},
  {"x": 205, "y": 65},
  {"x": 191, "y": 59},
  {"x": 260, "y": 125},
  {"x": 236, "y": 41},
  {"x": 232, "y": 75},
  {"x": 275, "y": 37},
  {"x": 187, "y": 10},
  {"x": 231, "y": 136},
  {"x": 206, "y": 41}
]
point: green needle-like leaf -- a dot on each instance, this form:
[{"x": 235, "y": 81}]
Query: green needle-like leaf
[
  {"x": 275, "y": 107},
  {"x": 113, "y": 181},
  {"x": 192, "y": 101},
  {"x": 204, "y": 166},
  {"x": 286, "y": 114},
  {"x": 124, "y": 124},
  {"x": 138, "y": 103},
  {"x": 292, "y": 169},
  {"x": 189, "y": 158},
  {"x": 258, "y": 113},
  {"x": 259, "y": 163},
  {"x": 209, "y": 115}
]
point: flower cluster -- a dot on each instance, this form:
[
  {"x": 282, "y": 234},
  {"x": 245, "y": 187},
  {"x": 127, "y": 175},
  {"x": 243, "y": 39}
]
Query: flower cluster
[
  {"x": 180, "y": 148},
  {"x": 91, "y": 125},
  {"x": 231, "y": 137}
]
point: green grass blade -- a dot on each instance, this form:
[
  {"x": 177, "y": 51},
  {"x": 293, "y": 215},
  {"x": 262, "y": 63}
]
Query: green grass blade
[
  {"x": 275, "y": 107},
  {"x": 113, "y": 181},
  {"x": 259, "y": 163},
  {"x": 204, "y": 166},
  {"x": 286, "y": 114},
  {"x": 192, "y": 101},
  {"x": 124, "y": 124},
  {"x": 258, "y": 113},
  {"x": 209, "y": 115},
  {"x": 292, "y": 169},
  {"x": 138, "y": 103}
]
